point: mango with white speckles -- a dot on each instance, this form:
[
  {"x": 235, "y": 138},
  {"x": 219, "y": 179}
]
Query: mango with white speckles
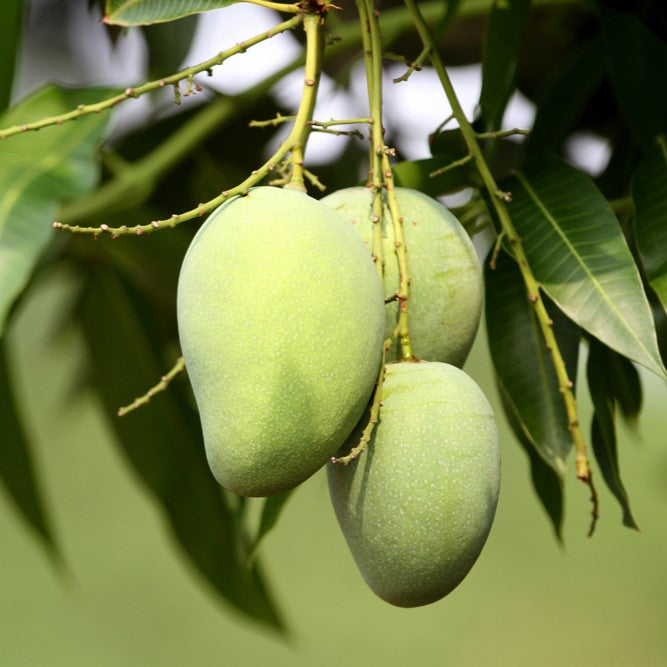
[
  {"x": 416, "y": 507},
  {"x": 281, "y": 323},
  {"x": 446, "y": 289}
]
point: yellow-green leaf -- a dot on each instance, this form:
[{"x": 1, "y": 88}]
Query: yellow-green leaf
[{"x": 144, "y": 12}]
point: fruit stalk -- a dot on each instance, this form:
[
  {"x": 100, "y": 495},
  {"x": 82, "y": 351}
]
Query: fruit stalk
[
  {"x": 301, "y": 122},
  {"x": 312, "y": 25},
  {"x": 499, "y": 200},
  {"x": 381, "y": 173}
]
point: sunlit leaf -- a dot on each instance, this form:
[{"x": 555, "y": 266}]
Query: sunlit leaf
[
  {"x": 11, "y": 12},
  {"x": 143, "y": 12},
  {"x": 603, "y": 427},
  {"x": 501, "y": 52},
  {"x": 17, "y": 469},
  {"x": 37, "y": 171},
  {"x": 577, "y": 251},
  {"x": 523, "y": 364},
  {"x": 649, "y": 191},
  {"x": 162, "y": 442}
]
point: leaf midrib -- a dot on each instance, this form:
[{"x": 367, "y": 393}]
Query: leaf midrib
[{"x": 538, "y": 202}]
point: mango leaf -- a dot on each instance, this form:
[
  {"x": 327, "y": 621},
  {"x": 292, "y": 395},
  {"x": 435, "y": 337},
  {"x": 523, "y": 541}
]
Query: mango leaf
[
  {"x": 37, "y": 171},
  {"x": 638, "y": 82},
  {"x": 603, "y": 428},
  {"x": 577, "y": 251},
  {"x": 549, "y": 486},
  {"x": 168, "y": 45},
  {"x": 501, "y": 52},
  {"x": 17, "y": 469},
  {"x": 11, "y": 13},
  {"x": 624, "y": 385},
  {"x": 162, "y": 443},
  {"x": 649, "y": 191},
  {"x": 523, "y": 365},
  {"x": 416, "y": 174},
  {"x": 564, "y": 98},
  {"x": 144, "y": 12},
  {"x": 271, "y": 510}
]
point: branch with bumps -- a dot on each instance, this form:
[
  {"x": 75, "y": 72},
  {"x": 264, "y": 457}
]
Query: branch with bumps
[
  {"x": 499, "y": 200},
  {"x": 186, "y": 74}
]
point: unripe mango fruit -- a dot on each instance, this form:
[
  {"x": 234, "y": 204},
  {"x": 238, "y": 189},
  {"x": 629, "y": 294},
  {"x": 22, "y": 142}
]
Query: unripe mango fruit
[
  {"x": 446, "y": 288},
  {"x": 281, "y": 322},
  {"x": 416, "y": 507}
]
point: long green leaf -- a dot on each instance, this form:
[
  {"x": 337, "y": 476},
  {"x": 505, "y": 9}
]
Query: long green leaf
[
  {"x": 144, "y": 12},
  {"x": 603, "y": 427},
  {"x": 649, "y": 191},
  {"x": 501, "y": 52},
  {"x": 577, "y": 251},
  {"x": 271, "y": 510},
  {"x": 162, "y": 443},
  {"x": 11, "y": 13},
  {"x": 637, "y": 80},
  {"x": 624, "y": 385},
  {"x": 548, "y": 484},
  {"x": 523, "y": 364},
  {"x": 38, "y": 170},
  {"x": 17, "y": 469}
]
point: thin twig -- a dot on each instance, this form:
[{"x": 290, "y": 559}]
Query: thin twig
[
  {"x": 172, "y": 80},
  {"x": 179, "y": 367}
]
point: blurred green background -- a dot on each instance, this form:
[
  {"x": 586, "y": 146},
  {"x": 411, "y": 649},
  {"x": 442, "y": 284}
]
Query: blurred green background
[{"x": 129, "y": 599}]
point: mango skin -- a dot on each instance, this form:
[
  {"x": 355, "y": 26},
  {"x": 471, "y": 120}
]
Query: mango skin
[
  {"x": 416, "y": 507},
  {"x": 446, "y": 287},
  {"x": 281, "y": 318}
]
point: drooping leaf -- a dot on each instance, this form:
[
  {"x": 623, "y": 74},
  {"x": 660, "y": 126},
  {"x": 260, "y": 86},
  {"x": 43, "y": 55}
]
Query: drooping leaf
[
  {"x": 38, "y": 170},
  {"x": 501, "y": 51},
  {"x": 649, "y": 191},
  {"x": 144, "y": 12},
  {"x": 17, "y": 469},
  {"x": 577, "y": 251},
  {"x": 162, "y": 443},
  {"x": 271, "y": 510},
  {"x": 603, "y": 427},
  {"x": 638, "y": 80},
  {"x": 548, "y": 484},
  {"x": 624, "y": 385},
  {"x": 11, "y": 13},
  {"x": 523, "y": 364},
  {"x": 564, "y": 98}
]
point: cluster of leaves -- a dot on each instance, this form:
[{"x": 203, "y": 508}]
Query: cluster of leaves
[{"x": 597, "y": 247}]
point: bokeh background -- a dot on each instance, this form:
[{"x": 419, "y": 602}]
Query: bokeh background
[{"x": 126, "y": 597}]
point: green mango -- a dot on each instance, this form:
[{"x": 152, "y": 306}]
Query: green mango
[
  {"x": 281, "y": 323},
  {"x": 446, "y": 289},
  {"x": 417, "y": 505}
]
